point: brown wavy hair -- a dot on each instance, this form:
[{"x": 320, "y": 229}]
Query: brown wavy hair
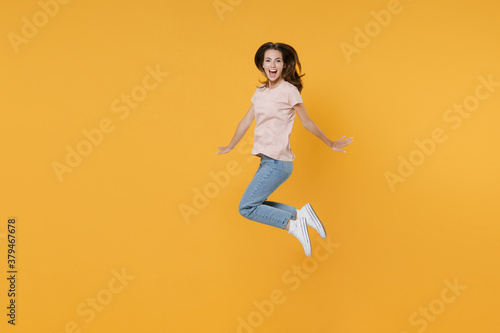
[{"x": 292, "y": 67}]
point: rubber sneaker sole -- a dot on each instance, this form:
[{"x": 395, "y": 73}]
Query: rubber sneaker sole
[{"x": 314, "y": 222}]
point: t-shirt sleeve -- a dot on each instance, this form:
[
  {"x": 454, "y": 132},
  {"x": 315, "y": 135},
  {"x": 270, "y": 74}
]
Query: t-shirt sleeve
[
  {"x": 255, "y": 95},
  {"x": 294, "y": 97}
]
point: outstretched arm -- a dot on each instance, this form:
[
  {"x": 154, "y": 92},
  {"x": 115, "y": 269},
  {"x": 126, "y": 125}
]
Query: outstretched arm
[
  {"x": 309, "y": 124},
  {"x": 242, "y": 128}
]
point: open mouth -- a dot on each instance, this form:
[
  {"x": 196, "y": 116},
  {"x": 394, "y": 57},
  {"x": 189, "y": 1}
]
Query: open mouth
[{"x": 273, "y": 72}]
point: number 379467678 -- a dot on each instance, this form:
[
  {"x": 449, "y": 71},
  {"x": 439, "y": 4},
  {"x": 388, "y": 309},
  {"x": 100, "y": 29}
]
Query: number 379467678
[{"x": 11, "y": 248}]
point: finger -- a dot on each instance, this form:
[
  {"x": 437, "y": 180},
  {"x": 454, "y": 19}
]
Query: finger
[{"x": 341, "y": 138}]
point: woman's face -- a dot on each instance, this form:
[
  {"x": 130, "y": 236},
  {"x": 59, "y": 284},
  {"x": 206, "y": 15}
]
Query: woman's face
[{"x": 273, "y": 65}]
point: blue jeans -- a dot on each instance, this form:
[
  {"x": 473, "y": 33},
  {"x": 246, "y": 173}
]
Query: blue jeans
[{"x": 254, "y": 205}]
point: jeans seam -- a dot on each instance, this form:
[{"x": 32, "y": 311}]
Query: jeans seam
[
  {"x": 260, "y": 184},
  {"x": 267, "y": 175}
]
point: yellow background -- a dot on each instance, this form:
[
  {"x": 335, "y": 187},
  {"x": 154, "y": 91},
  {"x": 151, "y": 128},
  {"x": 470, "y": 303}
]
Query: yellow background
[{"x": 120, "y": 209}]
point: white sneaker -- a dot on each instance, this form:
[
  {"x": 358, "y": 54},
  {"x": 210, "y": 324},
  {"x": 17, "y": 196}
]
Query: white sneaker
[
  {"x": 312, "y": 219},
  {"x": 298, "y": 228}
]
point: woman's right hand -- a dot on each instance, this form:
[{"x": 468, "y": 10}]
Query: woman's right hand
[{"x": 223, "y": 150}]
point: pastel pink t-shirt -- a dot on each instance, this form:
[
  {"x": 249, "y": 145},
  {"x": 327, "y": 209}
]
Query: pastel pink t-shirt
[{"x": 274, "y": 115}]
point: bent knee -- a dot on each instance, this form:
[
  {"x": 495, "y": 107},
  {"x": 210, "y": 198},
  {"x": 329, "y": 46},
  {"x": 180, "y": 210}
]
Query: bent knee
[{"x": 245, "y": 211}]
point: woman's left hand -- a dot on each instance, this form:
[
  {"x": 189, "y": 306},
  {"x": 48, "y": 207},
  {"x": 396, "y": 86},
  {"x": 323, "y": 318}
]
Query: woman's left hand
[{"x": 340, "y": 143}]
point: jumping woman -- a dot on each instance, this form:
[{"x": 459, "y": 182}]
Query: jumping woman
[{"x": 274, "y": 105}]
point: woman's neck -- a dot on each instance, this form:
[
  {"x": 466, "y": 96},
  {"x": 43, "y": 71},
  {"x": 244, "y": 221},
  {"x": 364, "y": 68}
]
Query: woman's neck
[{"x": 275, "y": 84}]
